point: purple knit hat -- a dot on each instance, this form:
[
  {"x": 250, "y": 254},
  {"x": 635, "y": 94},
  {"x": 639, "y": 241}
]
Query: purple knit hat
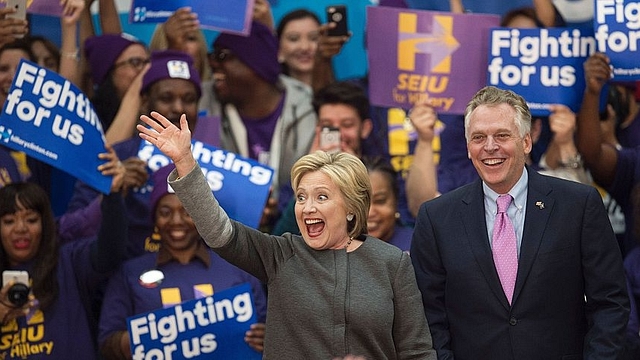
[
  {"x": 103, "y": 50},
  {"x": 160, "y": 187},
  {"x": 170, "y": 64},
  {"x": 259, "y": 50}
]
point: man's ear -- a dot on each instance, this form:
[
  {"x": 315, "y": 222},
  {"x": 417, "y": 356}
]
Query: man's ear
[
  {"x": 536, "y": 130},
  {"x": 367, "y": 127}
]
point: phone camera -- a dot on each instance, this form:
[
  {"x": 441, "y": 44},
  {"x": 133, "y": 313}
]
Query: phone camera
[
  {"x": 336, "y": 17},
  {"x": 18, "y": 294}
]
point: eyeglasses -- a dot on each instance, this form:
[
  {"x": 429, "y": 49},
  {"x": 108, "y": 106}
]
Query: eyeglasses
[
  {"x": 221, "y": 55},
  {"x": 134, "y": 62}
]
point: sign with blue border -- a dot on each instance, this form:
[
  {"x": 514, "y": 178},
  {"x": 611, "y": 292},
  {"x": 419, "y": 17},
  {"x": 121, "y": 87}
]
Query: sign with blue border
[
  {"x": 211, "y": 327},
  {"x": 51, "y": 120},
  {"x": 240, "y": 184},
  {"x": 545, "y": 66}
]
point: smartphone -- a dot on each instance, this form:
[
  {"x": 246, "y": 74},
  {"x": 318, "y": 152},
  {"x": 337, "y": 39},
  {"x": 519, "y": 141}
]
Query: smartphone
[
  {"x": 17, "y": 276},
  {"x": 330, "y": 139},
  {"x": 21, "y": 12},
  {"x": 337, "y": 14},
  {"x": 21, "y": 9}
]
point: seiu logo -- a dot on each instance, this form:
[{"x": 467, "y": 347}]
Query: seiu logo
[{"x": 438, "y": 44}]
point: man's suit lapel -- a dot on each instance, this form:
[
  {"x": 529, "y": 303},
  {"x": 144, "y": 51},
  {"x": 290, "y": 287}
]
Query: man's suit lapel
[
  {"x": 476, "y": 227},
  {"x": 539, "y": 207}
]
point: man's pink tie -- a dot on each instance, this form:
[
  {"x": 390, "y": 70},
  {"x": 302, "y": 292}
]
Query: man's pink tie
[{"x": 504, "y": 245}]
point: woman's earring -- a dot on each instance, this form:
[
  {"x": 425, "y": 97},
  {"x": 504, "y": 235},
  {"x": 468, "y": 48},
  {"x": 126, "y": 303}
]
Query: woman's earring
[{"x": 349, "y": 217}]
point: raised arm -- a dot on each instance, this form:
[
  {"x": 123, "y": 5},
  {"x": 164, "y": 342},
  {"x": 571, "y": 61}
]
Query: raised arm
[
  {"x": 600, "y": 157},
  {"x": 69, "y": 53},
  {"x": 422, "y": 181},
  {"x": 190, "y": 185},
  {"x": 328, "y": 47}
]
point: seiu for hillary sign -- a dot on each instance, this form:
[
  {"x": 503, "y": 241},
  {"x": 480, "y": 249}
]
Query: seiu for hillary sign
[
  {"x": 51, "y": 120},
  {"x": 545, "y": 66},
  {"x": 617, "y": 31},
  {"x": 206, "y": 328},
  {"x": 241, "y": 185},
  {"x": 232, "y": 16},
  {"x": 426, "y": 54}
]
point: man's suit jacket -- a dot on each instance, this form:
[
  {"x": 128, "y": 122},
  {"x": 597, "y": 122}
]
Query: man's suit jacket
[{"x": 569, "y": 299}]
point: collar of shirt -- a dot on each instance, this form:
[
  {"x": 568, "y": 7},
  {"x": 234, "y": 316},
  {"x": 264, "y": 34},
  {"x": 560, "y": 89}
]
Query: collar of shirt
[
  {"x": 164, "y": 256},
  {"x": 516, "y": 211}
]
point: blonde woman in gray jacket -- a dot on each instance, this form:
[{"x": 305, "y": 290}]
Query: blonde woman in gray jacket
[{"x": 333, "y": 291}]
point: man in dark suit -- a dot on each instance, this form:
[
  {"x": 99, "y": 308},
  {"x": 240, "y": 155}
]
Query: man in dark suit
[{"x": 561, "y": 292}]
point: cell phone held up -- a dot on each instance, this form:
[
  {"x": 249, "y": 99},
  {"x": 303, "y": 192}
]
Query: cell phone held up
[
  {"x": 18, "y": 293},
  {"x": 337, "y": 14},
  {"x": 20, "y": 13},
  {"x": 330, "y": 139},
  {"x": 20, "y": 6}
]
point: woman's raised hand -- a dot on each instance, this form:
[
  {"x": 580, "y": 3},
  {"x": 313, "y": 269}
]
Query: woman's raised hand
[{"x": 172, "y": 141}]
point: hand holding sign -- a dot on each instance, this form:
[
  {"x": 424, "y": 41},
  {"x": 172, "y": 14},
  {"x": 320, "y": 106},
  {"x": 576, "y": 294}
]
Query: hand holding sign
[
  {"x": 255, "y": 336},
  {"x": 597, "y": 71},
  {"x": 562, "y": 122},
  {"x": 113, "y": 167},
  {"x": 180, "y": 26}
]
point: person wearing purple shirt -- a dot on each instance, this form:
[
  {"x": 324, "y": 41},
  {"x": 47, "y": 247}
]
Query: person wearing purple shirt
[
  {"x": 56, "y": 322},
  {"x": 189, "y": 270},
  {"x": 174, "y": 89}
]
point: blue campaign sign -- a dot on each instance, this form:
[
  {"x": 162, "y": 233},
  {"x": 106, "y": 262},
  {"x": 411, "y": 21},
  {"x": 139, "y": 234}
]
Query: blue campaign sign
[
  {"x": 212, "y": 327},
  {"x": 617, "y": 31},
  {"x": 51, "y": 120},
  {"x": 542, "y": 65},
  {"x": 241, "y": 185},
  {"x": 223, "y": 15}
]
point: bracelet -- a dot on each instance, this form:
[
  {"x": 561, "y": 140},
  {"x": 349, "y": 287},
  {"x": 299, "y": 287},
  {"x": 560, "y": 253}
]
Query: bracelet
[{"x": 69, "y": 54}]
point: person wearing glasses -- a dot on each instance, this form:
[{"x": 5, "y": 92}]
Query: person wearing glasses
[
  {"x": 114, "y": 61},
  {"x": 264, "y": 115},
  {"x": 176, "y": 90}
]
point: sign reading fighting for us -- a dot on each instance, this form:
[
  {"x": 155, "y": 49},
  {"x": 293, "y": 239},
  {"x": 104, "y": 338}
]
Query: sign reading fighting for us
[
  {"x": 241, "y": 185},
  {"x": 430, "y": 55},
  {"x": 207, "y": 328},
  {"x": 542, "y": 65},
  {"x": 51, "y": 120},
  {"x": 617, "y": 31},
  {"x": 222, "y": 15}
]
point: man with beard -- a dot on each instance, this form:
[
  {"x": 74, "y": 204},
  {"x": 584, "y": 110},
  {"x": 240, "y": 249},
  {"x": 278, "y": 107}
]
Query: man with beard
[
  {"x": 170, "y": 85},
  {"x": 264, "y": 115}
]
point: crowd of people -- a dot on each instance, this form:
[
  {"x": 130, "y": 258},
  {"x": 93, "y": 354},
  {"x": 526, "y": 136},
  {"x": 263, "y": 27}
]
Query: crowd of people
[{"x": 493, "y": 236}]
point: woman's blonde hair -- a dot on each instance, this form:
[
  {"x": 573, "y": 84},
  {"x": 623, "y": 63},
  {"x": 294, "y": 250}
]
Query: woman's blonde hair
[{"x": 351, "y": 177}]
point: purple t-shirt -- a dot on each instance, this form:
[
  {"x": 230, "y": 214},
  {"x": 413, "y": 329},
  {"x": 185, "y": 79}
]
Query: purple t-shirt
[
  {"x": 63, "y": 330},
  {"x": 260, "y": 134},
  {"x": 127, "y": 297}
]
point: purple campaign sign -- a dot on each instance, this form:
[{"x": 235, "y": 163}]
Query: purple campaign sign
[
  {"x": 616, "y": 25},
  {"x": 425, "y": 54}
]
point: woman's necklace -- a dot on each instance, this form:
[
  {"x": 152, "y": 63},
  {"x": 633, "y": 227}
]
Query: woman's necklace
[{"x": 348, "y": 243}]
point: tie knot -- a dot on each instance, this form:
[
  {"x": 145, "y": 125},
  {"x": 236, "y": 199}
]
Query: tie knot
[{"x": 503, "y": 202}]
